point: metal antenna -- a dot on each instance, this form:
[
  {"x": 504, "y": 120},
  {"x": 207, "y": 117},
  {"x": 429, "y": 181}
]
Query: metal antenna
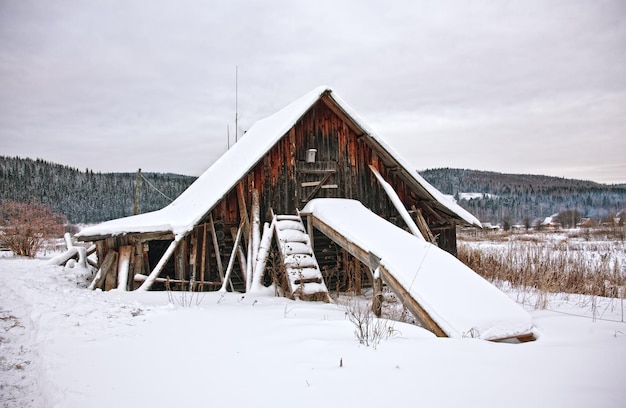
[{"x": 236, "y": 101}]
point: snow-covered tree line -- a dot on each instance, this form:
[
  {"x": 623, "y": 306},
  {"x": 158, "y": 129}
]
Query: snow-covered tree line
[
  {"x": 85, "y": 196},
  {"x": 521, "y": 197}
]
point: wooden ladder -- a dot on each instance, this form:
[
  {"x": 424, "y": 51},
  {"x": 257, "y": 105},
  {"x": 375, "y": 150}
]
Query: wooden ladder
[{"x": 303, "y": 273}]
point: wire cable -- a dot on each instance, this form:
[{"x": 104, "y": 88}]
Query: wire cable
[{"x": 153, "y": 186}]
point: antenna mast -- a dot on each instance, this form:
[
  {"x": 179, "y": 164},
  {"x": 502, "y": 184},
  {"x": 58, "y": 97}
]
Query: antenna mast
[{"x": 236, "y": 102}]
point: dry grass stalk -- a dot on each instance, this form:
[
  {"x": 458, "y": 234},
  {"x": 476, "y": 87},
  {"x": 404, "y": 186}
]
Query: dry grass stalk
[{"x": 549, "y": 266}]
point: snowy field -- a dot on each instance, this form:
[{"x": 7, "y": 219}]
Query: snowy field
[{"x": 64, "y": 346}]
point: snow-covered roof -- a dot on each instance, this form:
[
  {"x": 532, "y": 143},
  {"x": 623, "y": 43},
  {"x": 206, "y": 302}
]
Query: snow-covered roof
[
  {"x": 462, "y": 303},
  {"x": 193, "y": 204}
]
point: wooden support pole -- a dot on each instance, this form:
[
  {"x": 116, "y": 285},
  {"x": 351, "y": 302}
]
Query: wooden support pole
[
  {"x": 249, "y": 265},
  {"x": 264, "y": 249},
  {"x": 180, "y": 260},
  {"x": 256, "y": 236},
  {"x": 137, "y": 262},
  {"x": 110, "y": 280},
  {"x": 147, "y": 284},
  {"x": 123, "y": 267},
  {"x": 231, "y": 261},
  {"x": 192, "y": 258},
  {"x": 216, "y": 248},
  {"x": 309, "y": 228},
  {"x": 203, "y": 256},
  {"x": 377, "y": 302},
  {"x": 137, "y": 191}
]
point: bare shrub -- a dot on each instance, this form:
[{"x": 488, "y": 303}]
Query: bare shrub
[
  {"x": 368, "y": 329},
  {"x": 25, "y": 227},
  {"x": 185, "y": 298}
]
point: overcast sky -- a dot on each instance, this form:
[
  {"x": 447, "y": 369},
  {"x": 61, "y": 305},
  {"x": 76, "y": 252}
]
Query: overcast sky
[{"x": 512, "y": 86}]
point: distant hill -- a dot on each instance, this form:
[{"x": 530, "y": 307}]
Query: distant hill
[
  {"x": 520, "y": 197},
  {"x": 86, "y": 196}
]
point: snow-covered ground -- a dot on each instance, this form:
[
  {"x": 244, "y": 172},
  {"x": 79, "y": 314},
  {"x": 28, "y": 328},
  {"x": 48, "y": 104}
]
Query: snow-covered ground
[{"x": 64, "y": 346}]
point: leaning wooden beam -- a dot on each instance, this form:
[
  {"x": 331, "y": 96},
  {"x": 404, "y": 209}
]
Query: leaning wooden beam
[
  {"x": 393, "y": 196},
  {"x": 423, "y": 225},
  {"x": 243, "y": 262},
  {"x": 109, "y": 260},
  {"x": 231, "y": 261},
  {"x": 147, "y": 284},
  {"x": 216, "y": 248}
]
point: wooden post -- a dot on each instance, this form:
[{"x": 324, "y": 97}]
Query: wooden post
[
  {"x": 192, "y": 258},
  {"x": 123, "y": 267},
  {"x": 180, "y": 260},
  {"x": 256, "y": 236},
  {"x": 377, "y": 283},
  {"x": 264, "y": 248},
  {"x": 137, "y": 191},
  {"x": 377, "y": 302},
  {"x": 138, "y": 266},
  {"x": 109, "y": 261},
  {"x": 203, "y": 257},
  {"x": 309, "y": 230},
  {"x": 249, "y": 266},
  {"x": 110, "y": 280}
]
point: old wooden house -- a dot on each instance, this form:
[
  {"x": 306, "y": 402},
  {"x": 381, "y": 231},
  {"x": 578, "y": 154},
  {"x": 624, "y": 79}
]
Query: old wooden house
[{"x": 214, "y": 235}]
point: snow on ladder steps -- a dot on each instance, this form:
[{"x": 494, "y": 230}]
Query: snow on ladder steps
[
  {"x": 300, "y": 261},
  {"x": 283, "y": 225},
  {"x": 304, "y": 274},
  {"x": 302, "y": 270}
]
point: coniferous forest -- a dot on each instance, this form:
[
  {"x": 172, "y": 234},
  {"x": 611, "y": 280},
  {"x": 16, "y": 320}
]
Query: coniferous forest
[
  {"x": 86, "y": 196},
  {"x": 520, "y": 198},
  {"x": 90, "y": 197}
]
